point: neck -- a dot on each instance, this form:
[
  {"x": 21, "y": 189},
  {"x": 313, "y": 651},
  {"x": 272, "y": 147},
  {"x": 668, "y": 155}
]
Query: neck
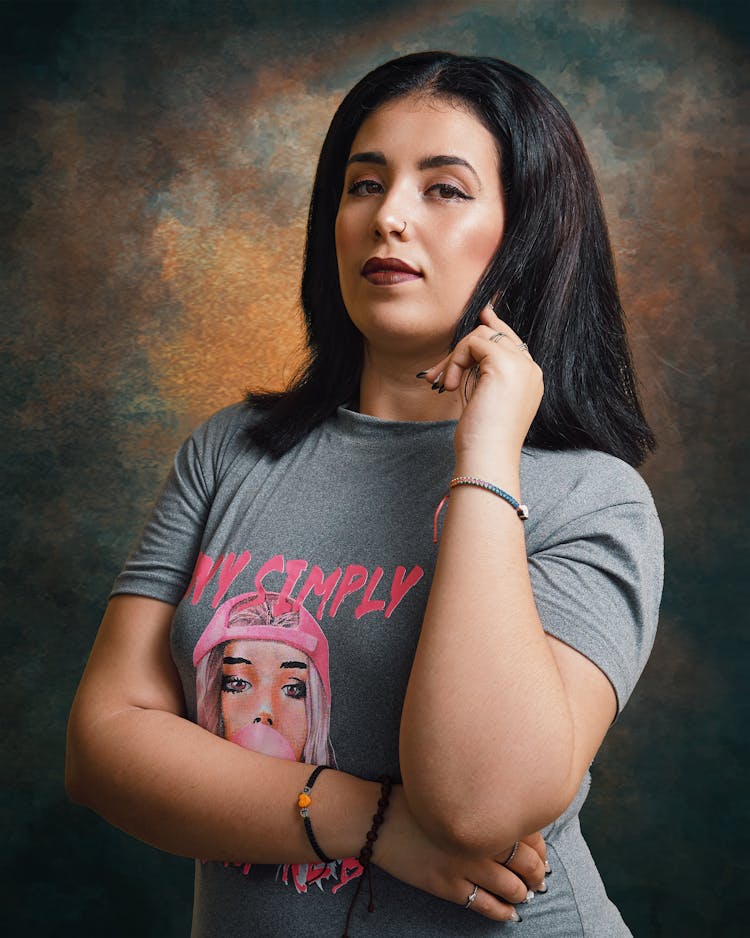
[{"x": 389, "y": 390}]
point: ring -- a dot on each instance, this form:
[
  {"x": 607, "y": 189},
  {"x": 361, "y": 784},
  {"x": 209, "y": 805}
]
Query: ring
[
  {"x": 472, "y": 897},
  {"x": 513, "y": 852},
  {"x": 523, "y": 347},
  {"x": 497, "y": 336}
]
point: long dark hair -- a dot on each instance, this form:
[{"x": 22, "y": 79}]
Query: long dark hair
[{"x": 552, "y": 278}]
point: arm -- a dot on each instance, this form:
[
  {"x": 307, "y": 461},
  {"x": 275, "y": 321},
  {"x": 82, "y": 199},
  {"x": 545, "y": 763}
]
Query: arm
[
  {"x": 500, "y": 722},
  {"x": 134, "y": 759}
]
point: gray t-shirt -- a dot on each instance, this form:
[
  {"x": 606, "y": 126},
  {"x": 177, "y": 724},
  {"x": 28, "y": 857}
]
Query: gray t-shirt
[{"x": 300, "y": 586}]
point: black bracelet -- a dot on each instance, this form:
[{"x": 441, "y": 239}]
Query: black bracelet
[
  {"x": 303, "y": 803},
  {"x": 365, "y": 854}
]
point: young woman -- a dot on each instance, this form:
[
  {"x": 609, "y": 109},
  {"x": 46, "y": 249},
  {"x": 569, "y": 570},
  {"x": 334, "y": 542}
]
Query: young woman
[{"x": 457, "y": 258}]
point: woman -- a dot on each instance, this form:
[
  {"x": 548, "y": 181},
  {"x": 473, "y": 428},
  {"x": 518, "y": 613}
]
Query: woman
[{"x": 476, "y": 658}]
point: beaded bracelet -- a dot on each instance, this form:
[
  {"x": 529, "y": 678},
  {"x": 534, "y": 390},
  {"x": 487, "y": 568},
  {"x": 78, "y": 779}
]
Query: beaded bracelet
[
  {"x": 365, "y": 854},
  {"x": 303, "y": 803},
  {"x": 521, "y": 510}
]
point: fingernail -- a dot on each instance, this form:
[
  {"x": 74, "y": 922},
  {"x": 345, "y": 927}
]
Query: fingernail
[
  {"x": 543, "y": 887},
  {"x": 529, "y": 896},
  {"x": 421, "y": 374},
  {"x": 547, "y": 867},
  {"x": 515, "y": 917},
  {"x": 441, "y": 389},
  {"x": 435, "y": 385}
]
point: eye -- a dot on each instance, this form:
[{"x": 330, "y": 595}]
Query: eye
[
  {"x": 231, "y": 684},
  {"x": 448, "y": 192},
  {"x": 297, "y": 690},
  {"x": 364, "y": 187}
]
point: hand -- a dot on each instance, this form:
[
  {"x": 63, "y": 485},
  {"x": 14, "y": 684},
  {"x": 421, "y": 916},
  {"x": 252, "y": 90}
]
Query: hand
[
  {"x": 508, "y": 388},
  {"x": 406, "y": 852}
]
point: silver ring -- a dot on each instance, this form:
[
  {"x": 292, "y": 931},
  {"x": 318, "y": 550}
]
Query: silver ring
[
  {"x": 472, "y": 897},
  {"x": 403, "y": 229},
  {"x": 513, "y": 852},
  {"x": 523, "y": 347},
  {"x": 497, "y": 336}
]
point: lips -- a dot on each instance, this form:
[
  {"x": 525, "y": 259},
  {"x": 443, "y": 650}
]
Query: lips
[{"x": 386, "y": 271}]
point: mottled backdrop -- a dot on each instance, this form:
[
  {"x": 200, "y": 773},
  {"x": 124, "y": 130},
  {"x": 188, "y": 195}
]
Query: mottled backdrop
[{"x": 156, "y": 163}]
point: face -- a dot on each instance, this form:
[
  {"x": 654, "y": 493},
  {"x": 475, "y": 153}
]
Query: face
[
  {"x": 263, "y": 692},
  {"x": 432, "y": 166}
]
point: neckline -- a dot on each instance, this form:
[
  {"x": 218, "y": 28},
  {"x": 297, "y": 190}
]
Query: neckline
[{"x": 365, "y": 425}]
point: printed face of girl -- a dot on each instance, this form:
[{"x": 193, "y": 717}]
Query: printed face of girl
[
  {"x": 263, "y": 692},
  {"x": 430, "y": 165}
]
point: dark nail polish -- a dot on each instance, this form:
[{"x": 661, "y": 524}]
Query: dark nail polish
[
  {"x": 421, "y": 374},
  {"x": 435, "y": 385},
  {"x": 441, "y": 389}
]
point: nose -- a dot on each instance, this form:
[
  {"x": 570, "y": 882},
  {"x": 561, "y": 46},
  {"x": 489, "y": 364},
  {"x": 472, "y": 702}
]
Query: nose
[
  {"x": 264, "y": 717},
  {"x": 390, "y": 220}
]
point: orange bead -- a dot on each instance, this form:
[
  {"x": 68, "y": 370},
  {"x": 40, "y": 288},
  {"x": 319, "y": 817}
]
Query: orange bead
[{"x": 304, "y": 801}]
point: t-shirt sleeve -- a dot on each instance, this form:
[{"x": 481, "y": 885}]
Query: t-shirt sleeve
[
  {"x": 162, "y": 563},
  {"x": 597, "y": 584}
]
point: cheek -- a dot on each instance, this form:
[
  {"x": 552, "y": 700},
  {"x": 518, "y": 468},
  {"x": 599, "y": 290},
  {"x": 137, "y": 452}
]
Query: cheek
[
  {"x": 346, "y": 239},
  {"x": 235, "y": 709},
  {"x": 293, "y": 719},
  {"x": 473, "y": 246}
]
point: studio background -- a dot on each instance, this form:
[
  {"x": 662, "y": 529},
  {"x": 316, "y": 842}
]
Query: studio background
[{"x": 157, "y": 159}]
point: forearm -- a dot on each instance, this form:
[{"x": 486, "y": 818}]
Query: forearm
[
  {"x": 176, "y": 786},
  {"x": 486, "y": 733}
]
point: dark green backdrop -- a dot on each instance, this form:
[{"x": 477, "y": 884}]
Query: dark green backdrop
[{"x": 156, "y": 162}]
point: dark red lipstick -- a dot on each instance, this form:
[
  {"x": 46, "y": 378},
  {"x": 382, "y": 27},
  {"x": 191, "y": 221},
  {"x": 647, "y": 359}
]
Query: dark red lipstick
[{"x": 386, "y": 271}]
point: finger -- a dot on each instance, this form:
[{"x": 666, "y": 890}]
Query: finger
[
  {"x": 477, "y": 349},
  {"x": 536, "y": 842},
  {"x": 449, "y": 371},
  {"x": 505, "y": 884},
  {"x": 489, "y": 317},
  {"x": 490, "y": 906},
  {"x": 528, "y": 865}
]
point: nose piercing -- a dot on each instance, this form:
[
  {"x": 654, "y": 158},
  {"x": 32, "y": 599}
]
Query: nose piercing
[{"x": 403, "y": 229}]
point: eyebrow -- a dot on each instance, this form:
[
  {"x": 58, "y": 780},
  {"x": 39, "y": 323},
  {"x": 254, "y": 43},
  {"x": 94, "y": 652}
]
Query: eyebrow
[
  {"x": 284, "y": 664},
  {"x": 428, "y": 162}
]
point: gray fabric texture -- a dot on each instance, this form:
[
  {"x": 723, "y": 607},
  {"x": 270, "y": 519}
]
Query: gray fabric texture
[{"x": 342, "y": 525}]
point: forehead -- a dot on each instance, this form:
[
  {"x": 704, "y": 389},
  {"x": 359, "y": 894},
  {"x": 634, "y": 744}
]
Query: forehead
[
  {"x": 263, "y": 652},
  {"x": 424, "y": 125}
]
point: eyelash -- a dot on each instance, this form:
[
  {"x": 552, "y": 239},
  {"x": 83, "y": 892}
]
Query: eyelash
[
  {"x": 234, "y": 685},
  {"x": 359, "y": 188},
  {"x": 297, "y": 690},
  {"x": 231, "y": 684}
]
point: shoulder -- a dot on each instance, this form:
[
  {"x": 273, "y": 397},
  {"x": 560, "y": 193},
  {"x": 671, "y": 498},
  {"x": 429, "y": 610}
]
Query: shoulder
[
  {"x": 588, "y": 490},
  {"x": 227, "y": 422},
  {"x": 220, "y": 440}
]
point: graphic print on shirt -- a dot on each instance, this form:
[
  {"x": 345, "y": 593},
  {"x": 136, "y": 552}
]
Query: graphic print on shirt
[
  {"x": 262, "y": 679},
  {"x": 262, "y": 674}
]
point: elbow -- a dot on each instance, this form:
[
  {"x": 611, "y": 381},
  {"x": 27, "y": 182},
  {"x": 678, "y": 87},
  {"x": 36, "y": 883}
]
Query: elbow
[
  {"x": 480, "y": 834},
  {"x": 483, "y": 828}
]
